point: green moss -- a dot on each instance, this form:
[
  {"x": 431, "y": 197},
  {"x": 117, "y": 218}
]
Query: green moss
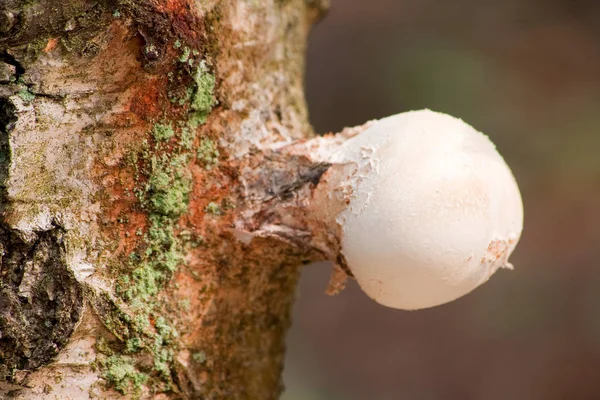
[
  {"x": 191, "y": 239},
  {"x": 203, "y": 98},
  {"x": 163, "y": 187},
  {"x": 165, "y": 331},
  {"x": 162, "y": 358},
  {"x": 120, "y": 372},
  {"x": 185, "y": 55},
  {"x": 187, "y": 138},
  {"x": 144, "y": 283},
  {"x": 162, "y": 255},
  {"x": 141, "y": 322},
  {"x": 164, "y": 251},
  {"x": 162, "y": 132},
  {"x": 26, "y": 95},
  {"x": 207, "y": 153},
  {"x": 133, "y": 345},
  {"x": 172, "y": 201},
  {"x": 168, "y": 185}
]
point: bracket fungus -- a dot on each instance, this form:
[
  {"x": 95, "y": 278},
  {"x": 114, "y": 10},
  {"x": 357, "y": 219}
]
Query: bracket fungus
[{"x": 423, "y": 207}]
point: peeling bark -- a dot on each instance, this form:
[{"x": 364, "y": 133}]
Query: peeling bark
[{"x": 151, "y": 227}]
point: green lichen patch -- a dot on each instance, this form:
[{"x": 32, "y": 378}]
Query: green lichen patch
[
  {"x": 203, "y": 99},
  {"x": 166, "y": 197},
  {"x": 163, "y": 187},
  {"x": 192, "y": 83},
  {"x": 185, "y": 55},
  {"x": 26, "y": 95},
  {"x": 121, "y": 373},
  {"x": 162, "y": 132},
  {"x": 144, "y": 283},
  {"x": 208, "y": 153},
  {"x": 163, "y": 355},
  {"x": 124, "y": 364},
  {"x": 172, "y": 199},
  {"x": 133, "y": 345},
  {"x": 187, "y": 138}
]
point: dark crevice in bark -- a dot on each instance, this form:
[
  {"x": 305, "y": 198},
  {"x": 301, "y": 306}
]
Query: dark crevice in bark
[
  {"x": 305, "y": 174},
  {"x": 40, "y": 299},
  {"x": 27, "y": 21},
  {"x": 11, "y": 60},
  {"x": 284, "y": 175},
  {"x": 8, "y": 118}
]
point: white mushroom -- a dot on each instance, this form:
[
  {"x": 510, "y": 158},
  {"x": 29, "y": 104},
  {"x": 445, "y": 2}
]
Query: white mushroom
[{"x": 432, "y": 209}]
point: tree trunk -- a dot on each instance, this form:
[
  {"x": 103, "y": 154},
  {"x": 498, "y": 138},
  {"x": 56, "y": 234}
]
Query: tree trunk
[{"x": 142, "y": 251}]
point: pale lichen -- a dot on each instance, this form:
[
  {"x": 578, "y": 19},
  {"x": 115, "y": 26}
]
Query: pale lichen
[
  {"x": 121, "y": 373},
  {"x": 26, "y": 95},
  {"x": 163, "y": 188},
  {"x": 203, "y": 98},
  {"x": 162, "y": 132},
  {"x": 207, "y": 153}
]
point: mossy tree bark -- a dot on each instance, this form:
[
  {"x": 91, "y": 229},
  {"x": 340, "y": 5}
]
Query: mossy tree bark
[{"x": 144, "y": 251}]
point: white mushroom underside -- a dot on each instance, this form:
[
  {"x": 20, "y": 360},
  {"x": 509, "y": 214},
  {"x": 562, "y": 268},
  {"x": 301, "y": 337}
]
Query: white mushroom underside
[{"x": 434, "y": 212}]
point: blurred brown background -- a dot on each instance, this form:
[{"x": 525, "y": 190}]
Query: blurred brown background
[{"x": 526, "y": 73}]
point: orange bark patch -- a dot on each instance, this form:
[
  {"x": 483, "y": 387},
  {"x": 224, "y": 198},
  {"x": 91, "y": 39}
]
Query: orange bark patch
[
  {"x": 51, "y": 45},
  {"x": 145, "y": 101},
  {"x": 205, "y": 191},
  {"x": 121, "y": 216},
  {"x": 176, "y": 7}
]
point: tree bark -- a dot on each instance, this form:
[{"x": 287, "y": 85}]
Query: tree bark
[{"x": 146, "y": 249}]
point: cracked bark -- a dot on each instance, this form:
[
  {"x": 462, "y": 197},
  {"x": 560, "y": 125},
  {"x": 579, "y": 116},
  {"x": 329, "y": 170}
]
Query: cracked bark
[{"x": 151, "y": 226}]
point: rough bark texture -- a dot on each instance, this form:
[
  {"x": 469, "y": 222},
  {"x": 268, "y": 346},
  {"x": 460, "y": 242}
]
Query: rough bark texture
[{"x": 144, "y": 246}]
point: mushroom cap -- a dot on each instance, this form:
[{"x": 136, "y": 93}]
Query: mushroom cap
[{"x": 433, "y": 211}]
